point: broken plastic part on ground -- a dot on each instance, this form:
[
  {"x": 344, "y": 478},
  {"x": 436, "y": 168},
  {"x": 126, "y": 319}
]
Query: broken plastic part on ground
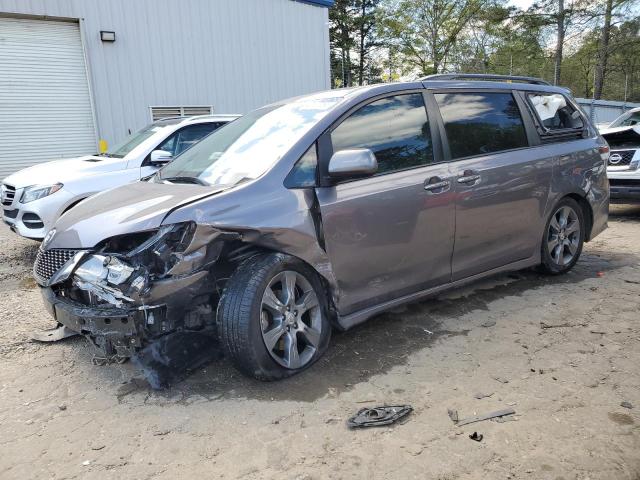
[
  {"x": 378, "y": 416},
  {"x": 173, "y": 356},
  {"x": 60, "y": 332}
]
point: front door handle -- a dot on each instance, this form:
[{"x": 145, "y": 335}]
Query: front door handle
[
  {"x": 436, "y": 185},
  {"x": 469, "y": 179}
]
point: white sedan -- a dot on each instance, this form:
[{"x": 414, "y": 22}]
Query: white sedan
[{"x": 33, "y": 199}]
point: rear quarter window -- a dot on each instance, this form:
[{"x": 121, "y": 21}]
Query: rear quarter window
[
  {"x": 478, "y": 123},
  {"x": 555, "y": 112}
]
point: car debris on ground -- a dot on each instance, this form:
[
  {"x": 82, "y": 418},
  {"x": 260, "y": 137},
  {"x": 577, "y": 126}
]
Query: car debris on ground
[
  {"x": 60, "y": 332},
  {"x": 378, "y": 416},
  {"x": 453, "y": 414},
  {"x": 481, "y": 395}
]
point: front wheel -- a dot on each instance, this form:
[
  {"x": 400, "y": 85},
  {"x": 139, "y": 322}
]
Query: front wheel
[
  {"x": 272, "y": 317},
  {"x": 563, "y": 237}
]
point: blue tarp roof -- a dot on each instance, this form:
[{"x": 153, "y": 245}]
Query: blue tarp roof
[{"x": 320, "y": 3}]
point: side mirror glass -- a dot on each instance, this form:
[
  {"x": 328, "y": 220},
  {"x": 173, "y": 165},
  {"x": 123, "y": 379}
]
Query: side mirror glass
[
  {"x": 356, "y": 162},
  {"x": 160, "y": 157}
]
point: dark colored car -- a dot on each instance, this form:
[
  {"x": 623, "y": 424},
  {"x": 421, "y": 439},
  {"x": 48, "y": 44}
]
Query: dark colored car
[{"x": 321, "y": 211}]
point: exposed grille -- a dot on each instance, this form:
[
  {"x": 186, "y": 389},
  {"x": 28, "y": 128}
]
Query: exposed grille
[
  {"x": 49, "y": 262},
  {"x": 8, "y": 194},
  {"x": 621, "y": 157}
]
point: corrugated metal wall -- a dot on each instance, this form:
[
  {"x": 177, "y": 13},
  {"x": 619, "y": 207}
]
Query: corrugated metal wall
[
  {"x": 233, "y": 54},
  {"x": 603, "y": 112}
]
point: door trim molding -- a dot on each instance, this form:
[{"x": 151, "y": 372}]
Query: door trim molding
[{"x": 348, "y": 321}]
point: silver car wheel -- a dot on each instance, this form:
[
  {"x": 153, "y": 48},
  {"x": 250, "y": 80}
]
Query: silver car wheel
[
  {"x": 563, "y": 236},
  {"x": 290, "y": 320}
]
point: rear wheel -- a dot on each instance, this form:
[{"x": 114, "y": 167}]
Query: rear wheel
[
  {"x": 272, "y": 317},
  {"x": 563, "y": 237}
]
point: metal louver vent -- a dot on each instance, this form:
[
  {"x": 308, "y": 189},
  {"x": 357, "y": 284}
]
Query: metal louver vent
[{"x": 158, "y": 113}]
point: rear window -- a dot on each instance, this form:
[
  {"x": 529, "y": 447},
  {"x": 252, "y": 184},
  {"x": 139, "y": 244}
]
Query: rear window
[
  {"x": 477, "y": 123},
  {"x": 555, "y": 112}
]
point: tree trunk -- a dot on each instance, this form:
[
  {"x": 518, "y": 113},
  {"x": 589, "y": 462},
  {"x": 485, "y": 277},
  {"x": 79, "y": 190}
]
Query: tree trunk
[
  {"x": 361, "y": 66},
  {"x": 346, "y": 58},
  {"x": 603, "y": 53},
  {"x": 434, "y": 52},
  {"x": 560, "y": 43},
  {"x": 586, "y": 84}
]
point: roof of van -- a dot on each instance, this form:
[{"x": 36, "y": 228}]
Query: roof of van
[{"x": 431, "y": 83}]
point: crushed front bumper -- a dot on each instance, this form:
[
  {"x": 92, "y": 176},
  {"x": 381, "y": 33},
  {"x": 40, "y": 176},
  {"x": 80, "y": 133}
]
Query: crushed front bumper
[{"x": 117, "y": 333}]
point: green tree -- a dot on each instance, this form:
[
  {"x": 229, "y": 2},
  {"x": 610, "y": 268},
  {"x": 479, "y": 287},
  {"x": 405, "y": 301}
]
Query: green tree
[
  {"x": 426, "y": 32},
  {"x": 562, "y": 17},
  {"x": 354, "y": 37},
  {"x": 342, "y": 42}
]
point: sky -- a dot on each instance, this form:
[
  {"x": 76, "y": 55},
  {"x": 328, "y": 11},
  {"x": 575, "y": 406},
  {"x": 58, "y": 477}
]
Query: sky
[{"x": 523, "y": 4}]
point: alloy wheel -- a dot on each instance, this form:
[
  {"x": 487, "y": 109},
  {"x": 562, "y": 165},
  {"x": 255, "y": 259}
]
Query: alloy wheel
[
  {"x": 290, "y": 319},
  {"x": 563, "y": 236}
]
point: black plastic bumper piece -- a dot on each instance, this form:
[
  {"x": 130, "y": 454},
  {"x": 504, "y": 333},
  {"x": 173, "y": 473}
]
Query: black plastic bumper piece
[{"x": 624, "y": 190}]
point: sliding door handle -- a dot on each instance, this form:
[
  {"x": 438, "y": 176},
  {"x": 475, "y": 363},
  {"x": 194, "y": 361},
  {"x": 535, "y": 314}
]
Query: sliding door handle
[{"x": 468, "y": 179}]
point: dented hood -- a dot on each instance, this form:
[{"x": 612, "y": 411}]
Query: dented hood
[
  {"x": 131, "y": 208},
  {"x": 622, "y": 137},
  {"x": 620, "y": 130}
]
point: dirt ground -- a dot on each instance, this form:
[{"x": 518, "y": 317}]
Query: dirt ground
[{"x": 564, "y": 352}]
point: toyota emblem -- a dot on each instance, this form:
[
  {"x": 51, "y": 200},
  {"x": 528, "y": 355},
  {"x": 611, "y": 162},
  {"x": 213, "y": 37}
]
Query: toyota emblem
[{"x": 615, "y": 159}]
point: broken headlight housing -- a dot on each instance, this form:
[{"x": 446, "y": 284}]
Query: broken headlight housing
[{"x": 123, "y": 267}]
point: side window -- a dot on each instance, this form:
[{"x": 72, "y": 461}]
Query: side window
[
  {"x": 555, "y": 112},
  {"x": 303, "y": 173},
  {"x": 395, "y": 128},
  {"x": 191, "y": 135},
  {"x": 169, "y": 145},
  {"x": 634, "y": 119},
  {"x": 477, "y": 123}
]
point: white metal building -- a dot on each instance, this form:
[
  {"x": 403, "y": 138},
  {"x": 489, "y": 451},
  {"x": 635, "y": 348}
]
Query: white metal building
[{"x": 64, "y": 85}]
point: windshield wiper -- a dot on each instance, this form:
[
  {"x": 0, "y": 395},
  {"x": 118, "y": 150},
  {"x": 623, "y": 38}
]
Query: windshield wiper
[
  {"x": 108, "y": 155},
  {"x": 190, "y": 180}
]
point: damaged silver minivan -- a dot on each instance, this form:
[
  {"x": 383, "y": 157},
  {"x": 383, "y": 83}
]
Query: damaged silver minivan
[{"x": 321, "y": 211}]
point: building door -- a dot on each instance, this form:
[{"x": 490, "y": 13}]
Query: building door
[{"x": 45, "y": 104}]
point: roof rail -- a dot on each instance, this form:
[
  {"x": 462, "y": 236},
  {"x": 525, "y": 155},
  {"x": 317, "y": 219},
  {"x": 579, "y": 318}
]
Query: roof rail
[{"x": 485, "y": 76}]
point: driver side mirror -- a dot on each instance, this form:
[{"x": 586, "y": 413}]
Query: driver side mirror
[
  {"x": 161, "y": 157},
  {"x": 356, "y": 162}
]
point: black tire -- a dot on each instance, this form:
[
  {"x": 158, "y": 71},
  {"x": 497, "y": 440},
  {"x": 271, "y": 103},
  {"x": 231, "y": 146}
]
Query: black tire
[
  {"x": 240, "y": 316},
  {"x": 550, "y": 256}
]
